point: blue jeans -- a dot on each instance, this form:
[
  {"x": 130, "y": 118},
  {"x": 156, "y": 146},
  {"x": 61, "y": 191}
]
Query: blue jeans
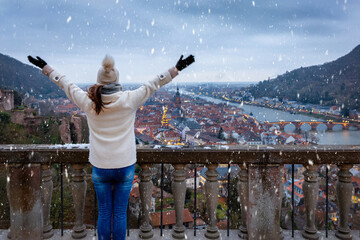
[{"x": 112, "y": 187}]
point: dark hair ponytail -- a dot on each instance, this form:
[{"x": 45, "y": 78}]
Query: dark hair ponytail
[{"x": 94, "y": 93}]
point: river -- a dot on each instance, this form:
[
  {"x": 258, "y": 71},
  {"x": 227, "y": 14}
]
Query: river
[{"x": 262, "y": 114}]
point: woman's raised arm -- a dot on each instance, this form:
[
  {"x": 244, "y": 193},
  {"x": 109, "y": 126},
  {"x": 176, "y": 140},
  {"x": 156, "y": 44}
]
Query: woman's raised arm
[{"x": 72, "y": 91}]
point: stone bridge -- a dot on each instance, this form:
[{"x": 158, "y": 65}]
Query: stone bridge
[{"x": 314, "y": 125}]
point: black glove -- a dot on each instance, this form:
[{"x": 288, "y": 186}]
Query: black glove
[
  {"x": 37, "y": 62},
  {"x": 183, "y": 63}
]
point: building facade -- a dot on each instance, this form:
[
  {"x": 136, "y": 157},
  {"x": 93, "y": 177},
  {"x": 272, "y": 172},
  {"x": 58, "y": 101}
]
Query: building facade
[{"x": 6, "y": 100}]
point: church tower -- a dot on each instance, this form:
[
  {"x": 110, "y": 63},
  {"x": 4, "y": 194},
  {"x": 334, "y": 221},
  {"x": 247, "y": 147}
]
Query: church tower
[
  {"x": 177, "y": 99},
  {"x": 178, "y": 111}
]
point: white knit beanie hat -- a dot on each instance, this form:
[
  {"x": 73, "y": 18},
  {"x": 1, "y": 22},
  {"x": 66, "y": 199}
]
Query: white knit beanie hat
[{"x": 108, "y": 73}]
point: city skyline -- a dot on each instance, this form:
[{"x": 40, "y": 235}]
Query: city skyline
[{"x": 246, "y": 41}]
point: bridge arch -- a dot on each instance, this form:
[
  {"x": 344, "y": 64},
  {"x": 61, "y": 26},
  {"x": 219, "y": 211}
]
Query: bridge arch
[
  {"x": 305, "y": 127},
  {"x": 337, "y": 127},
  {"x": 321, "y": 127},
  {"x": 290, "y": 127},
  {"x": 353, "y": 127}
]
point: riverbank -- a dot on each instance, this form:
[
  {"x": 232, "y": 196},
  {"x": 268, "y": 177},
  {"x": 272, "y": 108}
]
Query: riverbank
[{"x": 297, "y": 111}]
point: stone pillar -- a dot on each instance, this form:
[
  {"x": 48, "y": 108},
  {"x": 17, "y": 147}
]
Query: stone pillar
[
  {"x": 310, "y": 189},
  {"x": 211, "y": 197},
  {"x": 78, "y": 189},
  {"x": 146, "y": 188},
  {"x": 281, "y": 190},
  {"x": 24, "y": 192},
  {"x": 243, "y": 190},
  {"x": 263, "y": 214},
  {"x": 8, "y": 196},
  {"x": 47, "y": 190},
  {"x": 343, "y": 193},
  {"x": 179, "y": 189}
]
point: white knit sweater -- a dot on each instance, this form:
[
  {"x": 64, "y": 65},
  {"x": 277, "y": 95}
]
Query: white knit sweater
[{"x": 112, "y": 137}]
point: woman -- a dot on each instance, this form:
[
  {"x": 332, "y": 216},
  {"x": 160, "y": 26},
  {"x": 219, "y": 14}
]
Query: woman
[{"x": 111, "y": 115}]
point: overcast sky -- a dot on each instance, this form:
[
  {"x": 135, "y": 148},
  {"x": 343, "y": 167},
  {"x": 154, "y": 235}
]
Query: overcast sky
[{"x": 232, "y": 40}]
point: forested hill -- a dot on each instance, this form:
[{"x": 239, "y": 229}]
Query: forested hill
[
  {"x": 333, "y": 83},
  {"x": 15, "y": 75}
]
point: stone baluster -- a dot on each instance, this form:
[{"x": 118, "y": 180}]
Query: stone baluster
[
  {"x": 310, "y": 189},
  {"x": 46, "y": 190},
  {"x": 281, "y": 190},
  {"x": 344, "y": 193},
  {"x": 211, "y": 192},
  {"x": 78, "y": 188},
  {"x": 24, "y": 193},
  {"x": 146, "y": 188},
  {"x": 179, "y": 189},
  {"x": 243, "y": 190}
]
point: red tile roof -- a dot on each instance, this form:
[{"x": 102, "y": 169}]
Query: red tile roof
[
  {"x": 355, "y": 179},
  {"x": 298, "y": 184},
  {"x": 169, "y": 218}
]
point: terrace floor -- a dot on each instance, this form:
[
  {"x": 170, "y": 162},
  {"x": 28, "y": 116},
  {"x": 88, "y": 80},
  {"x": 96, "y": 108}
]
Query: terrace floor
[{"x": 190, "y": 235}]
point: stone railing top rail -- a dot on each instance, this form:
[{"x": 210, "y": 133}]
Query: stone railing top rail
[{"x": 78, "y": 153}]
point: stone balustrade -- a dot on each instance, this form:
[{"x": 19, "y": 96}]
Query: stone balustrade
[{"x": 30, "y": 186}]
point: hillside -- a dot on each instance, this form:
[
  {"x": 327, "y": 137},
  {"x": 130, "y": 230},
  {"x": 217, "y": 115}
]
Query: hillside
[
  {"x": 24, "y": 78},
  {"x": 333, "y": 83}
]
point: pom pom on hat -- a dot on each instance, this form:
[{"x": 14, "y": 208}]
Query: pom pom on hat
[
  {"x": 108, "y": 63},
  {"x": 108, "y": 73}
]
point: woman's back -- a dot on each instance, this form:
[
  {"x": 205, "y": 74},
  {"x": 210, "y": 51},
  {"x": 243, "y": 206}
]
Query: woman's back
[{"x": 112, "y": 138}]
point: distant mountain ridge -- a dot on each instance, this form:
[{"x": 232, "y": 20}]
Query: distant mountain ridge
[
  {"x": 15, "y": 75},
  {"x": 332, "y": 83}
]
